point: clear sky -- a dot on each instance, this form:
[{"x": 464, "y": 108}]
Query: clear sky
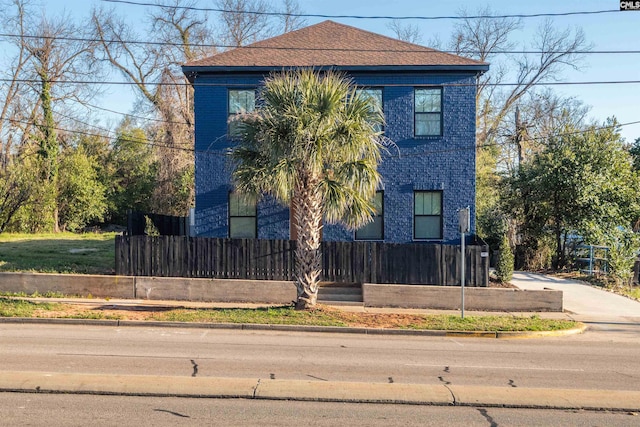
[{"x": 606, "y": 32}]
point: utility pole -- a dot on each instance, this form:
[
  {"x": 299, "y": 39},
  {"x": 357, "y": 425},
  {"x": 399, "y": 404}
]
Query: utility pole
[{"x": 518, "y": 137}]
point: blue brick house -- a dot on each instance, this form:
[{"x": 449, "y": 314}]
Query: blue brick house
[{"x": 428, "y": 100}]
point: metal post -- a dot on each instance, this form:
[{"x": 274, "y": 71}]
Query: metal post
[
  {"x": 464, "y": 221},
  {"x": 462, "y": 273}
]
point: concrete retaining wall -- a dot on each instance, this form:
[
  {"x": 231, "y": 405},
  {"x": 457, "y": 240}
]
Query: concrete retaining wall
[
  {"x": 449, "y": 298},
  {"x": 276, "y": 292},
  {"x": 68, "y": 284},
  {"x": 152, "y": 288},
  {"x": 219, "y": 290}
]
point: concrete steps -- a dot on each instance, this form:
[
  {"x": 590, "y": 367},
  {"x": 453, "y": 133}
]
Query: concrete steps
[{"x": 340, "y": 294}]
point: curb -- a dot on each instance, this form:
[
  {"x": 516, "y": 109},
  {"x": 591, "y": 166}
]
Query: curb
[
  {"x": 297, "y": 328},
  {"x": 320, "y": 391}
]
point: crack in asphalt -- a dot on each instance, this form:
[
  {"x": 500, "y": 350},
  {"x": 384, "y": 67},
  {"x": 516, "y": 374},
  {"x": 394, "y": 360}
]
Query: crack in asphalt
[
  {"x": 255, "y": 389},
  {"x": 442, "y": 380},
  {"x": 446, "y": 383},
  {"x": 488, "y": 417},
  {"x": 177, "y": 414},
  {"x": 195, "y": 368}
]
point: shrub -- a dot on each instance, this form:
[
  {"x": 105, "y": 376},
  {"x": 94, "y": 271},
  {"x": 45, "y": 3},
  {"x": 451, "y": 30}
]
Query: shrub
[
  {"x": 504, "y": 267},
  {"x": 623, "y": 252}
]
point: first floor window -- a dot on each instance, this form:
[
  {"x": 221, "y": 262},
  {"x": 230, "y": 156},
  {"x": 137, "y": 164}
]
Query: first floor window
[
  {"x": 240, "y": 101},
  {"x": 243, "y": 222},
  {"x": 374, "y": 230},
  {"x": 427, "y": 215}
]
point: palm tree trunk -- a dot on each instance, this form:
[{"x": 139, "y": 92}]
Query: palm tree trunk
[{"x": 308, "y": 217}]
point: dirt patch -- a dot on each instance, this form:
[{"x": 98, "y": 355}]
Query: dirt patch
[
  {"x": 494, "y": 283},
  {"x": 83, "y": 311},
  {"x": 379, "y": 320},
  {"x": 501, "y": 285}
]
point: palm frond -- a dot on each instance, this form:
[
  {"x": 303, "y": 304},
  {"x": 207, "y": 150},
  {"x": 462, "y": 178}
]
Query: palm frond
[{"x": 312, "y": 125}]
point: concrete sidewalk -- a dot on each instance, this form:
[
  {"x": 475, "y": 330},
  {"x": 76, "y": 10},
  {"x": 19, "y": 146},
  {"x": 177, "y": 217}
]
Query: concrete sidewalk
[{"x": 585, "y": 303}]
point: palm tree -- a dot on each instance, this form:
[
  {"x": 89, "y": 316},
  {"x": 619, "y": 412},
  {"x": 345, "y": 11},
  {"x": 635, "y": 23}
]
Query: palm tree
[{"x": 312, "y": 143}]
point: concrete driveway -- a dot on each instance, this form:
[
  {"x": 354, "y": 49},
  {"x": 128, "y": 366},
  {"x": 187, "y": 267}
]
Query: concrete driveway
[{"x": 585, "y": 303}]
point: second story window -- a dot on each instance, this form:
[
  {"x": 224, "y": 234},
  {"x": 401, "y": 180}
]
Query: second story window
[
  {"x": 375, "y": 94},
  {"x": 243, "y": 222},
  {"x": 428, "y": 112},
  {"x": 240, "y": 101},
  {"x": 374, "y": 230}
]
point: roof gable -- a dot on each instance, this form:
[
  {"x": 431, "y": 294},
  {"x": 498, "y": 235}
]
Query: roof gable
[{"x": 332, "y": 44}]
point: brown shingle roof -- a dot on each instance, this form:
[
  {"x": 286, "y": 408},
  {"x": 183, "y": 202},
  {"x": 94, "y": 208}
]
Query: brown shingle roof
[{"x": 332, "y": 44}]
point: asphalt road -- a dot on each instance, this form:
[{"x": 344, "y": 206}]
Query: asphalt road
[
  {"x": 21, "y": 409},
  {"x": 590, "y": 361}
]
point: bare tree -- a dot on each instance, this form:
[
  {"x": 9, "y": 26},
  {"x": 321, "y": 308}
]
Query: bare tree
[
  {"x": 290, "y": 19},
  {"x": 406, "y": 32},
  {"x": 247, "y": 21},
  {"x": 486, "y": 39},
  {"x": 49, "y": 54},
  {"x": 505, "y": 136},
  {"x": 244, "y": 21},
  {"x": 12, "y": 22},
  {"x": 542, "y": 113},
  {"x": 179, "y": 35}
]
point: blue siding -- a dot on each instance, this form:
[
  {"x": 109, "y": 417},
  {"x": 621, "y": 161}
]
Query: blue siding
[{"x": 444, "y": 163}]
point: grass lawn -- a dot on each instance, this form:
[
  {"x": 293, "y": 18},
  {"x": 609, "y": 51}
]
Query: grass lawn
[
  {"x": 90, "y": 253},
  {"x": 280, "y": 315},
  {"x": 634, "y": 292}
]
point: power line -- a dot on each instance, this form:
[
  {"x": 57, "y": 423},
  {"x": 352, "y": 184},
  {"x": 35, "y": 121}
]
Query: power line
[
  {"x": 134, "y": 116},
  {"x": 584, "y": 131},
  {"x": 96, "y": 135},
  {"x": 319, "y": 49},
  {"x": 211, "y": 84},
  {"x": 325, "y": 16},
  {"x": 83, "y": 122},
  {"x": 502, "y": 144},
  {"x": 422, "y": 153}
]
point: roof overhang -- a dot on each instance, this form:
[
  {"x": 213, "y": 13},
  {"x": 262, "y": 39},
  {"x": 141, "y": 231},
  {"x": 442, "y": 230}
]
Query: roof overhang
[{"x": 192, "y": 72}]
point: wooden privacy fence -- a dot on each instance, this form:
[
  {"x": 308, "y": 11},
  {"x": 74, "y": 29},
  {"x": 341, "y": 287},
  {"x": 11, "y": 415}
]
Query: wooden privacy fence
[{"x": 346, "y": 262}]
